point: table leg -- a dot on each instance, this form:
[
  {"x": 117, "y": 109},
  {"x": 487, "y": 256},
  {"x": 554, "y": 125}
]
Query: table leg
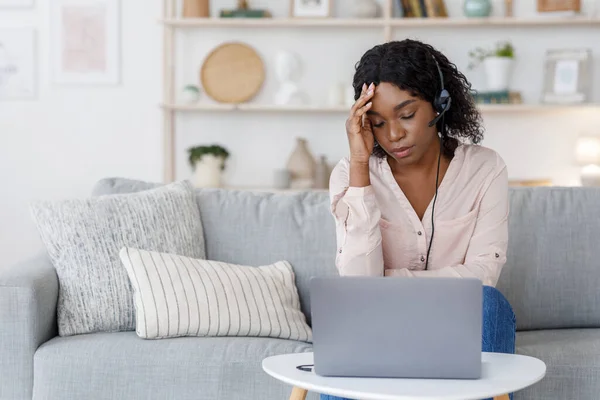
[
  {"x": 299, "y": 394},
  {"x": 503, "y": 397}
]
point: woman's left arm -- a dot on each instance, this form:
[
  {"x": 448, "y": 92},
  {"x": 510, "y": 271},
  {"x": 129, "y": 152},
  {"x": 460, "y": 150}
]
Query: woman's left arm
[{"x": 486, "y": 254}]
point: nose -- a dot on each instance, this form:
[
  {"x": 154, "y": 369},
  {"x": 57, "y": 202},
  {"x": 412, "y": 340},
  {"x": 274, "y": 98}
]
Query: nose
[{"x": 397, "y": 132}]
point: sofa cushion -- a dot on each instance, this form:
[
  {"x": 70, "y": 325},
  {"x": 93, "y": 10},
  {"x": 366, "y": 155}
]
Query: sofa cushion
[
  {"x": 572, "y": 357},
  {"x": 248, "y": 228},
  {"x": 83, "y": 238},
  {"x": 551, "y": 276},
  {"x": 178, "y": 296},
  {"x": 123, "y": 366}
]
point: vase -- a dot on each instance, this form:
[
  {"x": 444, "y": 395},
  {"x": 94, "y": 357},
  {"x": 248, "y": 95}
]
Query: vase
[
  {"x": 322, "y": 174},
  {"x": 208, "y": 171},
  {"x": 497, "y": 73},
  {"x": 301, "y": 165},
  {"x": 190, "y": 94},
  {"x": 196, "y": 8},
  {"x": 365, "y": 9},
  {"x": 281, "y": 179},
  {"x": 477, "y": 8}
]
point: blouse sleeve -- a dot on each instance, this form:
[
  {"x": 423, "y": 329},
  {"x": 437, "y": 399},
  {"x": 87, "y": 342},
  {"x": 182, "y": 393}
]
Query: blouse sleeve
[
  {"x": 356, "y": 215},
  {"x": 486, "y": 254}
]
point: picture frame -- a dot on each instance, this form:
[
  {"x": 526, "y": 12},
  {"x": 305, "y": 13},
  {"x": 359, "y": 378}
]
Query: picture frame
[
  {"x": 311, "y": 8},
  {"x": 17, "y": 3},
  {"x": 558, "y": 5},
  {"x": 86, "y": 37},
  {"x": 567, "y": 76},
  {"x": 18, "y": 64}
]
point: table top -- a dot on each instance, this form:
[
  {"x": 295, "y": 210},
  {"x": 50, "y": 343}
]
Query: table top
[{"x": 501, "y": 374}]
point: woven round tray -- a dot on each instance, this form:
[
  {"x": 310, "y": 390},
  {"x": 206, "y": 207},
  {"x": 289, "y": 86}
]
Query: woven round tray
[{"x": 232, "y": 73}]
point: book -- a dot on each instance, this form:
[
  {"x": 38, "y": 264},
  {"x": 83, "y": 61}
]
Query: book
[
  {"x": 241, "y": 13},
  {"x": 436, "y": 8},
  {"x": 423, "y": 8}
]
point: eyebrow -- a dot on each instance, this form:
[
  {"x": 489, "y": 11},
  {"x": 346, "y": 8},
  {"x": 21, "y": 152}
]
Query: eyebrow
[{"x": 398, "y": 107}]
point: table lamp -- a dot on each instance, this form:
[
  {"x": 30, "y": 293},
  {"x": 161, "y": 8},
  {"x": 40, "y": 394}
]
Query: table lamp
[{"x": 587, "y": 154}]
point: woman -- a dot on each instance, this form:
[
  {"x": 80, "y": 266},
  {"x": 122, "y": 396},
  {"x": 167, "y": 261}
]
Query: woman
[{"x": 413, "y": 199}]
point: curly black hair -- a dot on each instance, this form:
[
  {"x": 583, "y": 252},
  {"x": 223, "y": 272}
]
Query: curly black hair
[{"x": 409, "y": 65}]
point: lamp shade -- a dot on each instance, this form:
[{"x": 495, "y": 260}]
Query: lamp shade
[{"x": 587, "y": 150}]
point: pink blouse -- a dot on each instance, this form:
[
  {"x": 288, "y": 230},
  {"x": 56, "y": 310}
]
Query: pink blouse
[{"x": 379, "y": 233}]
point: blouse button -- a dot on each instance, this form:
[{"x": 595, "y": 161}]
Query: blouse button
[
  {"x": 422, "y": 259},
  {"x": 497, "y": 255},
  {"x": 419, "y": 233}
]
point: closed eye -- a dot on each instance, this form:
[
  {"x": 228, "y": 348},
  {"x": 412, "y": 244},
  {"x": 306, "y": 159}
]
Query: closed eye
[
  {"x": 408, "y": 116},
  {"x": 379, "y": 125}
]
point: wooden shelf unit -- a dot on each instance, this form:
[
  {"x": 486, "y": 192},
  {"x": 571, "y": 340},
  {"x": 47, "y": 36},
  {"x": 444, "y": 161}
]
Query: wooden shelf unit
[
  {"x": 376, "y": 22},
  {"x": 253, "y": 107},
  {"x": 171, "y": 22}
]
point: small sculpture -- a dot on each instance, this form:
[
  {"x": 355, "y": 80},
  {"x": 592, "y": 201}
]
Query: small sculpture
[{"x": 288, "y": 68}]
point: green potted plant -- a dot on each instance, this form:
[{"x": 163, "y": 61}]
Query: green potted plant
[
  {"x": 497, "y": 62},
  {"x": 208, "y": 164}
]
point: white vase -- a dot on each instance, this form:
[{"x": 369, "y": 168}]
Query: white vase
[
  {"x": 498, "y": 71},
  {"x": 208, "y": 172},
  {"x": 190, "y": 94},
  {"x": 365, "y": 9}
]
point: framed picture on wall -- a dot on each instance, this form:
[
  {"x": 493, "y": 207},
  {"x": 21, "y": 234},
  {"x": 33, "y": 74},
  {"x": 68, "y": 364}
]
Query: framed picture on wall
[
  {"x": 18, "y": 67},
  {"x": 86, "y": 41},
  {"x": 567, "y": 76},
  {"x": 311, "y": 8},
  {"x": 16, "y": 3}
]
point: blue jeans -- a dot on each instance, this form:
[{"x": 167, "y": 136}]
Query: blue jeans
[{"x": 499, "y": 327}]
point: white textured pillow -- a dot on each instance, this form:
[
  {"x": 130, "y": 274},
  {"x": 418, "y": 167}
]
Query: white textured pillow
[
  {"x": 181, "y": 296},
  {"x": 83, "y": 238}
]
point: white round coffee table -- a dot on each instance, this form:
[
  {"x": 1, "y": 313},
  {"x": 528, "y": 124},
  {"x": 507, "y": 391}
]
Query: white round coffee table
[{"x": 501, "y": 374}]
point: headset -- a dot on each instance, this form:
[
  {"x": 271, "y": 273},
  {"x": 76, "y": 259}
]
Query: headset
[{"x": 441, "y": 104}]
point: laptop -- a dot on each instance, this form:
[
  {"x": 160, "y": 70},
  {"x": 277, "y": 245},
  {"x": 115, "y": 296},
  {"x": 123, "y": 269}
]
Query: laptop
[{"x": 384, "y": 327}]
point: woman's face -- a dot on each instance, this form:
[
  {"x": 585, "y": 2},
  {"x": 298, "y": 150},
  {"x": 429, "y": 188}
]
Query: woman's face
[{"x": 401, "y": 123}]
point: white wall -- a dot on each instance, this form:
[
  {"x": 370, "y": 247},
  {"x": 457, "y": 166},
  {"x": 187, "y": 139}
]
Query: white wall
[{"x": 60, "y": 144}]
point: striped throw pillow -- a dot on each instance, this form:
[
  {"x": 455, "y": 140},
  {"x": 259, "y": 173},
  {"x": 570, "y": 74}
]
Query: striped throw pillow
[{"x": 179, "y": 296}]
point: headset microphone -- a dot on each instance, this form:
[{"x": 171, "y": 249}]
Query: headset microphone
[{"x": 441, "y": 114}]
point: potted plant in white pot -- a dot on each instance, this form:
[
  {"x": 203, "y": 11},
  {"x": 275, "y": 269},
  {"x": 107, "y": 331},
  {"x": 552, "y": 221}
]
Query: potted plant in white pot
[
  {"x": 498, "y": 64},
  {"x": 208, "y": 163}
]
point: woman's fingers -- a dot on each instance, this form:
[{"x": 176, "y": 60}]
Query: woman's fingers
[
  {"x": 366, "y": 95},
  {"x": 361, "y": 111}
]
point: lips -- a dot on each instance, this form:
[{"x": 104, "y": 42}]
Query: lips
[{"x": 401, "y": 152}]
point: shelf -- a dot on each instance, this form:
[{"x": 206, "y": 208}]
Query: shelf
[
  {"x": 273, "y": 22},
  {"x": 494, "y": 21},
  {"x": 254, "y": 107},
  {"x": 267, "y": 189},
  {"x": 485, "y": 108},
  {"x": 378, "y": 22}
]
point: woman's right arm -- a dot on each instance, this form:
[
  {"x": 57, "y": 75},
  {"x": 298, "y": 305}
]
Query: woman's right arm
[{"x": 357, "y": 215}]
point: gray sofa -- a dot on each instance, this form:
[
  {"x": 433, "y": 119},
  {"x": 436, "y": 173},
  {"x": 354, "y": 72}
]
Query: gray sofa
[{"x": 552, "y": 280}]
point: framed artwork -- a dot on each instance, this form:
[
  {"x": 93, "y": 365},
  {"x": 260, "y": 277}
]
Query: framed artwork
[
  {"x": 311, "y": 8},
  {"x": 16, "y": 3},
  {"x": 86, "y": 38},
  {"x": 567, "y": 76},
  {"x": 18, "y": 64}
]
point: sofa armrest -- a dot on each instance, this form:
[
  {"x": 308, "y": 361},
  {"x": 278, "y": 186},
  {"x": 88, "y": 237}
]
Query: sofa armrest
[{"x": 28, "y": 297}]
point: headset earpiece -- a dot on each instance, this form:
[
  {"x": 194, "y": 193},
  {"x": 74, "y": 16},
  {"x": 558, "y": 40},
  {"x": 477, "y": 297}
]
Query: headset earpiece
[{"x": 442, "y": 100}]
